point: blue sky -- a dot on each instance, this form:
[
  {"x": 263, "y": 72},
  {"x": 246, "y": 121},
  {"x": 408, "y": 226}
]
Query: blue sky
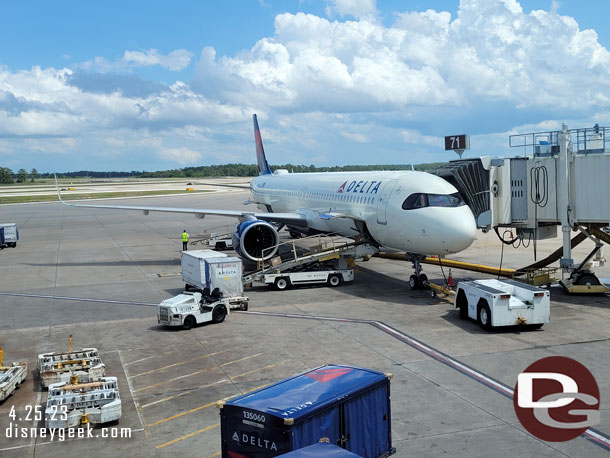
[{"x": 153, "y": 85}]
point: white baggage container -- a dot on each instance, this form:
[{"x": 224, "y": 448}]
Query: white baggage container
[
  {"x": 9, "y": 234},
  {"x": 71, "y": 404},
  {"x": 210, "y": 269},
  {"x": 193, "y": 266}
]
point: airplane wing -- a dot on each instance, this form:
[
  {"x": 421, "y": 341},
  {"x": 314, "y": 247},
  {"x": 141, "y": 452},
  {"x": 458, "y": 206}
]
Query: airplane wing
[
  {"x": 293, "y": 219},
  {"x": 226, "y": 185},
  {"x": 299, "y": 218}
]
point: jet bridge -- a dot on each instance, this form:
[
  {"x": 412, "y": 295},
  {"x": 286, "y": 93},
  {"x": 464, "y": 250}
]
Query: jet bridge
[{"x": 561, "y": 181}]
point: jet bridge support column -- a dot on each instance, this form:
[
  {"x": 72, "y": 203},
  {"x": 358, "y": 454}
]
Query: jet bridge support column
[{"x": 563, "y": 198}]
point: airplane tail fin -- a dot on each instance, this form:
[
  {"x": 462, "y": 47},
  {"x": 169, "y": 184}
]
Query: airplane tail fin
[{"x": 261, "y": 160}]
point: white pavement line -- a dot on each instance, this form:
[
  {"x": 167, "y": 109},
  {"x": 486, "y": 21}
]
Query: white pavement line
[
  {"x": 33, "y": 439},
  {"x": 131, "y": 390},
  {"x": 80, "y": 299},
  {"x": 139, "y": 360}
]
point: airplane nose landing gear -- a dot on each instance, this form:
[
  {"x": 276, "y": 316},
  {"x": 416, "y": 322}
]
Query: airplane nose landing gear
[{"x": 418, "y": 280}]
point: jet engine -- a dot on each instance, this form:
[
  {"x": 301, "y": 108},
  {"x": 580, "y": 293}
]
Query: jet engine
[{"x": 255, "y": 240}]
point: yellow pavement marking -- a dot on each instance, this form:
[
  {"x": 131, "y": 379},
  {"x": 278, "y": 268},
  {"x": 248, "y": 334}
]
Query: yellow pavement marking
[
  {"x": 241, "y": 359},
  {"x": 189, "y": 435},
  {"x": 178, "y": 415},
  {"x": 259, "y": 369},
  {"x": 213, "y": 455},
  {"x": 177, "y": 364},
  {"x": 182, "y": 393}
]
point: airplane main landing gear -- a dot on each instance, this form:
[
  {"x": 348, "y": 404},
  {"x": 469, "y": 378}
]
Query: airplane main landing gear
[{"x": 419, "y": 279}]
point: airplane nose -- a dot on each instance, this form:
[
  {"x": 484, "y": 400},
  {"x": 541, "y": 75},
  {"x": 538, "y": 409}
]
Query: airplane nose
[{"x": 464, "y": 230}]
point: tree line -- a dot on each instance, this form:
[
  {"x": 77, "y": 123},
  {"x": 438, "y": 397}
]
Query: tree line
[
  {"x": 8, "y": 176},
  {"x": 233, "y": 170}
]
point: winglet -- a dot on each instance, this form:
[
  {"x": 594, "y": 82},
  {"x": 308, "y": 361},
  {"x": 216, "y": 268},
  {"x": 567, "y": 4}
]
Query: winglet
[
  {"x": 261, "y": 160},
  {"x": 59, "y": 193}
]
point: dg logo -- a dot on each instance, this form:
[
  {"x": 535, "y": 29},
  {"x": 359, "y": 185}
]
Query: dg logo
[{"x": 556, "y": 399}]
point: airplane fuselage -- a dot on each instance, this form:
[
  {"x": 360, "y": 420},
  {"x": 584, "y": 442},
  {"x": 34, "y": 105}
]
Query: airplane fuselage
[{"x": 438, "y": 225}]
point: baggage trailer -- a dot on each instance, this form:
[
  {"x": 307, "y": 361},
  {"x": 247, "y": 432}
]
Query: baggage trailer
[
  {"x": 11, "y": 377},
  {"x": 71, "y": 404},
  {"x": 204, "y": 270},
  {"x": 86, "y": 364},
  {"x": 333, "y": 278},
  {"x": 345, "y": 405},
  {"x": 192, "y": 308},
  {"x": 9, "y": 234},
  {"x": 503, "y": 303}
]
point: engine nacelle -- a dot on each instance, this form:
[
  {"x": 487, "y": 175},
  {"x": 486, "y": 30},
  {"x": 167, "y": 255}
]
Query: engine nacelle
[{"x": 255, "y": 240}]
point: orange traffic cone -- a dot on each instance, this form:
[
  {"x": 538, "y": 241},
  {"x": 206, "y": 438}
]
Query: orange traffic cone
[{"x": 450, "y": 280}]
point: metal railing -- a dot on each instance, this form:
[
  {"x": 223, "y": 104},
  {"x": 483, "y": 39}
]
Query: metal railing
[
  {"x": 586, "y": 140},
  {"x": 327, "y": 244}
]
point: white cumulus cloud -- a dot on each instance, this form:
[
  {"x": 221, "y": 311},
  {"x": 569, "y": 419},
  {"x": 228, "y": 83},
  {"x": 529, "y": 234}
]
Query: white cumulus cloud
[
  {"x": 175, "y": 60},
  {"x": 355, "y": 8},
  {"x": 492, "y": 51},
  {"x": 182, "y": 155}
]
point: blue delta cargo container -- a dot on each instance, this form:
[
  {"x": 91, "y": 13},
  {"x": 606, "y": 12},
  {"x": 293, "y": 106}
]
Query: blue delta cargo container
[{"x": 347, "y": 405}]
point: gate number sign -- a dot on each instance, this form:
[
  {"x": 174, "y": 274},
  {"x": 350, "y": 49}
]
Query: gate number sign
[{"x": 456, "y": 142}]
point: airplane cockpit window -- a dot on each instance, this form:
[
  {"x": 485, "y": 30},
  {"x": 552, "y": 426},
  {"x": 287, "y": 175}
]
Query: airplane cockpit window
[{"x": 421, "y": 200}]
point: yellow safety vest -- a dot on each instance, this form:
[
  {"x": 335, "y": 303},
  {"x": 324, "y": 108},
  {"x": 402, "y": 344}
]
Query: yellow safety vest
[{"x": 185, "y": 237}]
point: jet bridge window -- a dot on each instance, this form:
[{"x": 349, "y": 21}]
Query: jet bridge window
[{"x": 421, "y": 200}]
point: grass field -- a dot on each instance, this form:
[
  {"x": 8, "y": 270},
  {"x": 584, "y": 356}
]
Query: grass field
[{"x": 99, "y": 195}]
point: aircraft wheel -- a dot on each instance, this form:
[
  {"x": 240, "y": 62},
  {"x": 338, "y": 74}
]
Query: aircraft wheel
[
  {"x": 219, "y": 313},
  {"x": 413, "y": 282},
  {"x": 189, "y": 322},
  {"x": 423, "y": 279}
]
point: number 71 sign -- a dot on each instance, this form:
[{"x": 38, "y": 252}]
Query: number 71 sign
[{"x": 457, "y": 142}]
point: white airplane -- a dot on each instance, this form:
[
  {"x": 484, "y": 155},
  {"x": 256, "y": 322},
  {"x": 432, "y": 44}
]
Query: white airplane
[{"x": 414, "y": 212}]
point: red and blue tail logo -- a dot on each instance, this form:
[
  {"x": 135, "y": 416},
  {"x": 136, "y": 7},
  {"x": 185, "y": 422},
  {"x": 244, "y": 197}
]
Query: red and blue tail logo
[{"x": 261, "y": 160}]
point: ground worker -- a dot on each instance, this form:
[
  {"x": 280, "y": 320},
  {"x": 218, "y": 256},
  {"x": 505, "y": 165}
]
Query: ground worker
[{"x": 185, "y": 240}]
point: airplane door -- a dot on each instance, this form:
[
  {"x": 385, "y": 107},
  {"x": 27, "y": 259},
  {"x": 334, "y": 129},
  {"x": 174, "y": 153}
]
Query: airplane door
[{"x": 382, "y": 203}]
